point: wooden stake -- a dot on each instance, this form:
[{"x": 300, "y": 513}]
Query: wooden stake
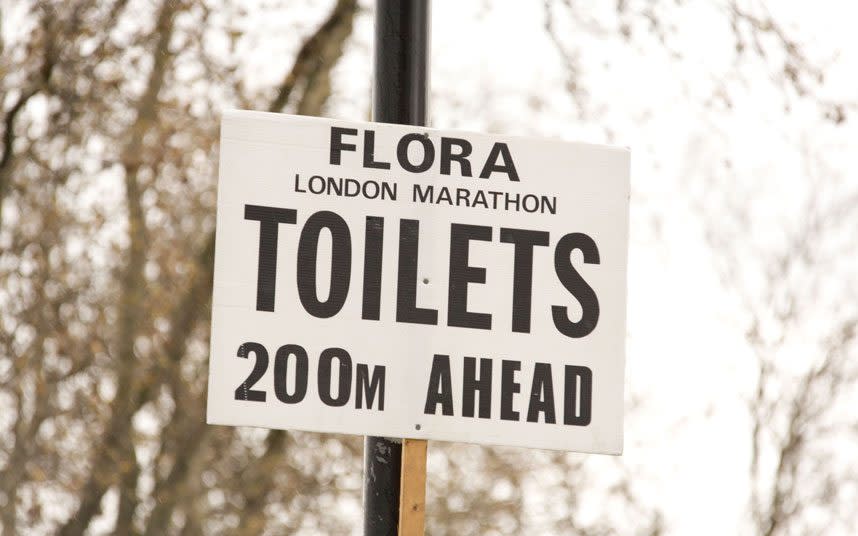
[{"x": 412, "y": 490}]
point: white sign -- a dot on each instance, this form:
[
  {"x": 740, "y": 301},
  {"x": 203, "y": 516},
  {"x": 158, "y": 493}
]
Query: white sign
[{"x": 402, "y": 281}]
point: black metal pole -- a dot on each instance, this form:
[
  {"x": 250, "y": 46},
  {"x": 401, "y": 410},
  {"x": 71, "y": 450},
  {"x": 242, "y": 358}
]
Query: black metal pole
[{"x": 399, "y": 95}]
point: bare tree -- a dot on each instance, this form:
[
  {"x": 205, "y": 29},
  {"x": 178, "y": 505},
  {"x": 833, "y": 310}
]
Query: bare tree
[
  {"x": 800, "y": 326},
  {"x": 107, "y": 184},
  {"x": 794, "y": 292},
  {"x": 110, "y": 113},
  {"x": 108, "y": 298}
]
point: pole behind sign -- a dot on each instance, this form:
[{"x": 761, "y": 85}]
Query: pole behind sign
[{"x": 400, "y": 87}]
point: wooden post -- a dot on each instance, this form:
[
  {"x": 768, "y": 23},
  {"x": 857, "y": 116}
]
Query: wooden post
[{"x": 412, "y": 490}]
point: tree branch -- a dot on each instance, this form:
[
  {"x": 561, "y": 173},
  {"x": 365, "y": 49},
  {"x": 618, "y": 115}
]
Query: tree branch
[
  {"x": 41, "y": 82},
  {"x": 311, "y": 68},
  {"x": 115, "y": 453},
  {"x": 316, "y": 57}
]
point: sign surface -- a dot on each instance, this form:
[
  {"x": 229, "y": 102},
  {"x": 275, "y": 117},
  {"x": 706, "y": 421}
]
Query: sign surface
[{"x": 402, "y": 281}]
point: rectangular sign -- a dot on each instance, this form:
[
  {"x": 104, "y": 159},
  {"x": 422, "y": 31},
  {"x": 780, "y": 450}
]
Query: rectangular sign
[{"x": 402, "y": 281}]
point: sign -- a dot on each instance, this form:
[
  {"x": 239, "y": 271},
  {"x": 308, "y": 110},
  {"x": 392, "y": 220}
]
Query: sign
[{"x": 402, "y": 281}]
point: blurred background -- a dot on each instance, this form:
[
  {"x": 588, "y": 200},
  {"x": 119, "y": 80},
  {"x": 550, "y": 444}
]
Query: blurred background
[{"x": 743, "y": 292}]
